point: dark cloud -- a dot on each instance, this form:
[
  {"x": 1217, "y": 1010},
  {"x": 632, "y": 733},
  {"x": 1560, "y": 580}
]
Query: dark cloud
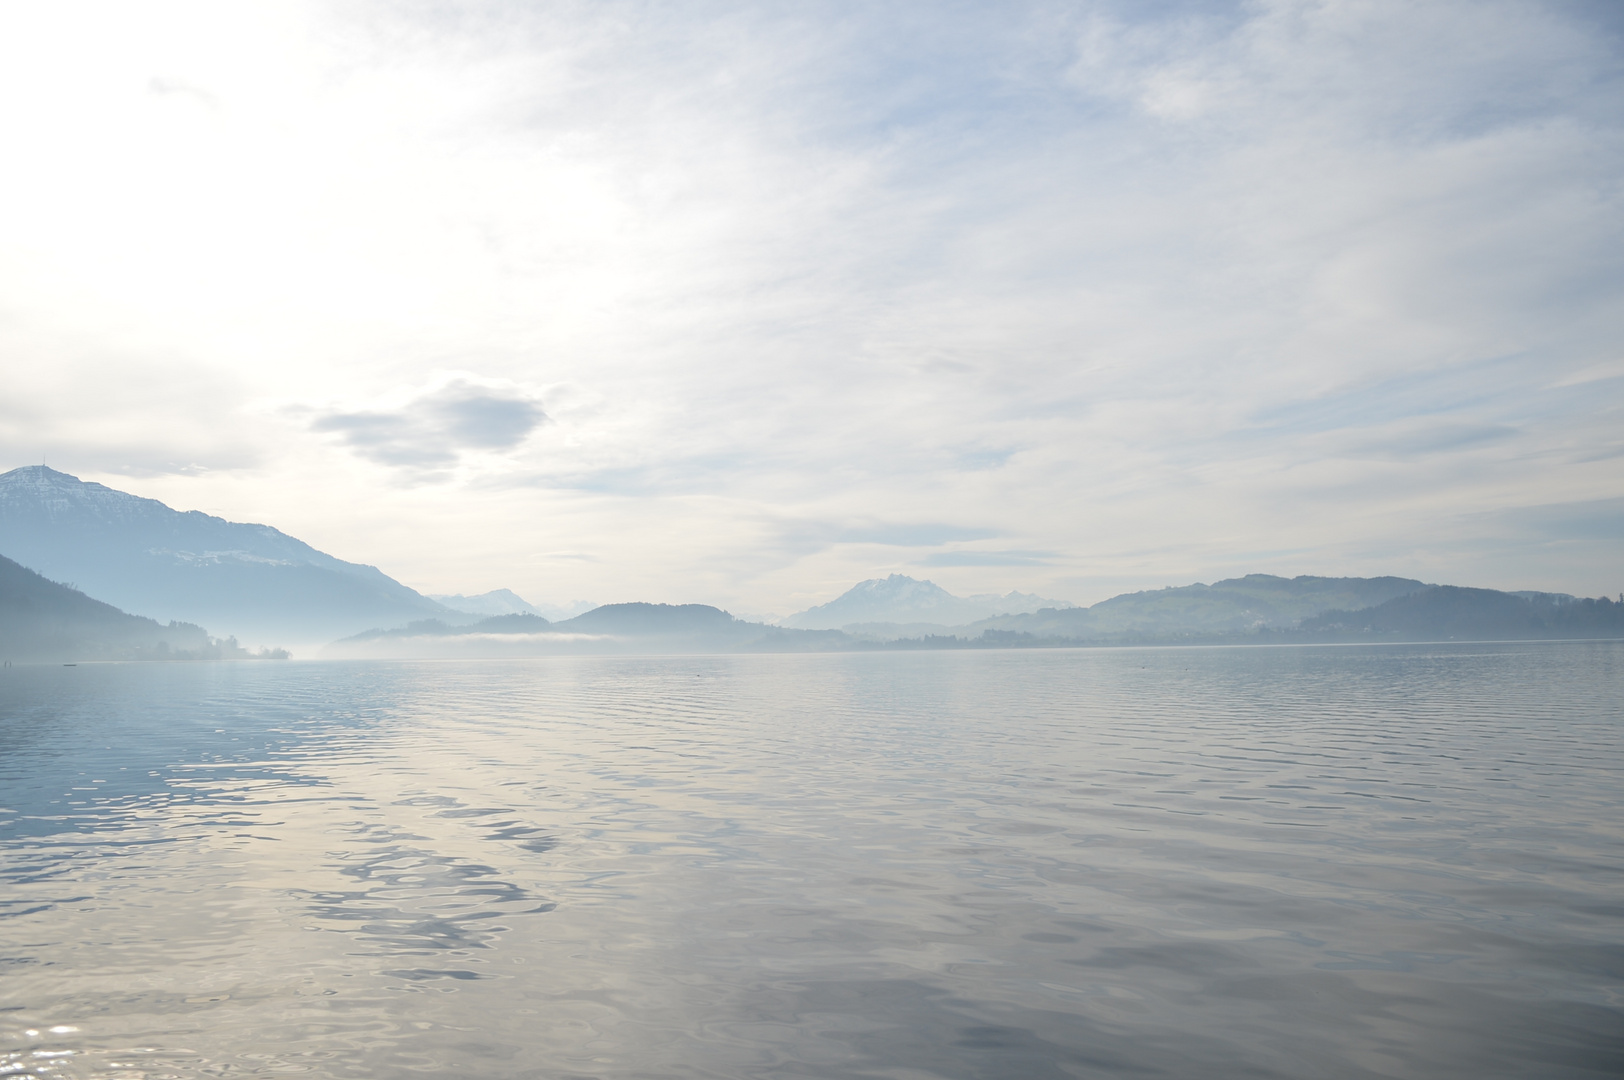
[{"x": 433, "y": 430}]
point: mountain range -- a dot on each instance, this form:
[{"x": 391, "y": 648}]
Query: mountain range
[
  {"x": 137, "y": 554},
  {"x": 1256, "y": 609},
  {"x": 41, "y": 620},
  {"x": 191, "y": 569},
  {"x": 899, "y": 599},
  {"x": 1449, "y": 611},
  {"x": 495, "y": 602},
  {"x": 1252, "y": 603},
  {"x": 508, "y": 602},
  {"x": 612, "y": 628}
]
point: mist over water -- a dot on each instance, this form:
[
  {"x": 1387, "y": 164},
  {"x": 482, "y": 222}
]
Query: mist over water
[{"x": 1397, "y": 861}]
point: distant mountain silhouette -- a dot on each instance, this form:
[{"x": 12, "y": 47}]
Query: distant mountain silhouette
[
  {"x": 645, "y": 619},
  {"x": 1245, "y": 604},
  {"x": 139, "y": 555},
  {"x": 495, "y": 602},
  {"x": 434, "y": 628},
  {"x": 902, "y": 599},
  {"x": 1445, "y": 612},
  {"x": 612, "y": 628},
  {"x": 508, "y": 602},
  {"x": 1258, "y": 608},
  {"x": 41, "y": 620}
]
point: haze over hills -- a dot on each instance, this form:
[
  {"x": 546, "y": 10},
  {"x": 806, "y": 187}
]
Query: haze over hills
[
  {"x": 1245, "y": 604},
  {"x": 1449, "y": 611},
  {"x": 1256, "y": 609},
  {"x": 902, "y": 599},
  {"x": 508, "y": 602},
  {"x": 495, "y": 602},
  {"x": 612, "y": 628},
  {"x": 41, "y": 620},
  {"x": 254, "y": 581},
  {"x": 137, "y": 554}
]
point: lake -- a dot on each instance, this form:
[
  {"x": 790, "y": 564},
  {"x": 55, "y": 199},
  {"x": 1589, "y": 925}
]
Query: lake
[{"x": 1359, "y": 861}]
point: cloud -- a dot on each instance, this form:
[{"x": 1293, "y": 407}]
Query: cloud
[
  {"x": 989, "y": 558},
  {"x": 435, "y": 428},
  {"x": 179, "y": 88},
  {"x": 922, "y": 534},
  {"x": 1599, "y": 519},
  {"x": 1188, "y": 286},
  {"x": 1613, "y": 369}
]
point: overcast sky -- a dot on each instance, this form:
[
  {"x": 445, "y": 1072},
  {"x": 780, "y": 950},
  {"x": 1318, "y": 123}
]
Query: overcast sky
[{"x": 743, "y": 303}]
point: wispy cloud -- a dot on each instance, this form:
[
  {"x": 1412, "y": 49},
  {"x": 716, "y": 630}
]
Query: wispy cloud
[
  {"x": 923, "y": 534},
  {"x": 1134, "y": 293},
  {"x": 989, "y": 558}
]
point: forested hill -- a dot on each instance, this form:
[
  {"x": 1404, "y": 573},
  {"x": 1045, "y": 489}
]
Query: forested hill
[
  {"x": 612, "y": 628},
  {"x": 1257, "y": 609},
  {"x": 1444, "y": 612},
  {"x": 41, "y": 620},
  {"x": 1249, "y": 604}
]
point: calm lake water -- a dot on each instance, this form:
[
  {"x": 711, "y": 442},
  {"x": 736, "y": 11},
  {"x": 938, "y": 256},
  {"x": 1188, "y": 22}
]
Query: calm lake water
[{"x": 1297, "y": 862}]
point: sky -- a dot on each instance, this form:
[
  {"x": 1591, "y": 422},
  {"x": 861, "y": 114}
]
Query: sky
[{"x": 744, "y": 303}]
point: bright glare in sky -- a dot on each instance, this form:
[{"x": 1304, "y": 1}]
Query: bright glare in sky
[{"x": 740, "y": 304}]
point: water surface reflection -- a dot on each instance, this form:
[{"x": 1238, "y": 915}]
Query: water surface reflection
[{"x": 1394, "y": 861}]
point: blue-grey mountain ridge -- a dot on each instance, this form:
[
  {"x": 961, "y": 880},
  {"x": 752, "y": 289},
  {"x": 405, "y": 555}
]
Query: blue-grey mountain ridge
[
  {"x": 137, "y": 554},
  {"x": 44, "y": 621},
  {"x": 191, "y": 569}
]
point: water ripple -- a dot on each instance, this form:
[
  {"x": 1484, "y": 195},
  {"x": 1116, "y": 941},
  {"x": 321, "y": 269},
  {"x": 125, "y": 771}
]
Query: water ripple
[{"x": 1351, "y": 862}]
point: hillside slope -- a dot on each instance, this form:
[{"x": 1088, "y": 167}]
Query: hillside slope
[
  {"x": 1251, "y": 603},
  {"x": 1449, "y": 612},
  {"x": 612, "y": 628},
  {"x": 41, "y": 620},
  {"x": 139, "y": 555},
  {"x": 902, "y": 599}
]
